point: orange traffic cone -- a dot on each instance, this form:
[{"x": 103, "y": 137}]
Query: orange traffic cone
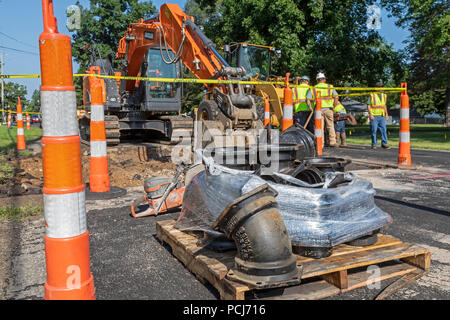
[{"x": 20, "y": 134}]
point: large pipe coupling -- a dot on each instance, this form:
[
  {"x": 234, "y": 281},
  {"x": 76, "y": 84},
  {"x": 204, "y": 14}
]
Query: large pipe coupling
[{"x": 264, "y": 253}]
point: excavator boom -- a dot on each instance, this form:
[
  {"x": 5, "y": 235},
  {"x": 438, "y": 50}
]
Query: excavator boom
[{"x": 176, "y": 31}]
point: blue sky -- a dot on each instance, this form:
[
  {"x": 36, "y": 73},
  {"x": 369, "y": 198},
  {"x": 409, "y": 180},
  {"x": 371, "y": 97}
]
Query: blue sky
[{"x": 22, "y": 20}]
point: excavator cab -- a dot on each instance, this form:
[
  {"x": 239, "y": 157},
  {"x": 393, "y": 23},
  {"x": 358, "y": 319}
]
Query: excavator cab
[
  {"x": 256, "y": 59},
  {"x": 161, "y": 96}
]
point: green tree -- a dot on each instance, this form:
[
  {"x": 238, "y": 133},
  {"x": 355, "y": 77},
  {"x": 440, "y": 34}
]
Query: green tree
[
  {"x": 12, "y": 92},
  {"x": 428, "y": 51},
  {"x": 317, "y": 35},
  {"x": 192, "y": 94},
  {"x": 103, "y": 24},
  {"x": 35, "y": 103}
]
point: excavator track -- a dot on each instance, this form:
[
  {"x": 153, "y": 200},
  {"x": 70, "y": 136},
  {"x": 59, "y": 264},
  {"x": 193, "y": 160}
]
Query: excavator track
[
  {"x": 112, "y": 130},
  {"x": 180, "y": 127}
]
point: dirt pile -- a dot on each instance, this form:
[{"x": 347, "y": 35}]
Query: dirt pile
[{"x": 129, "y": 166}]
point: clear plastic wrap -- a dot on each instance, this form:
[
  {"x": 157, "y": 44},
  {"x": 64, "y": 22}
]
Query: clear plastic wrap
[{"x": 314, "y": 217}]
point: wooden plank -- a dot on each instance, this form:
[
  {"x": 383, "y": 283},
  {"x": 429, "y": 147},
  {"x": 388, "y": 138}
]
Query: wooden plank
[
  {"x": 359, "y": 259},
  {"x": 339, "y": 279},
  {"x": 307, "y": 291},
  {"x": 400, "y": 284},
  {"x": 364, "y": 278},
  {"x": 203, "y": 267},
  {"x": 422, "y": 261},
  {"x": 383, "y": 241},
  {"x": 336, "y": 270}
]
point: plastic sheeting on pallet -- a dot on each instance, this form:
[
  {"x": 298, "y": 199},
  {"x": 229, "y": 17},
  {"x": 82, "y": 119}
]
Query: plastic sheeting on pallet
[{"x": 314, "y": 217}]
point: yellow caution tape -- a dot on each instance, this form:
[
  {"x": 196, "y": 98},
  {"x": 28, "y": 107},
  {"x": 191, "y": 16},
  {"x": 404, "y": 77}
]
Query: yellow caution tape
[
  {"x": 19, "y": 76},
  {"x": 23, "y": 112},
  {"x": 210, "y": 81},
  {"x": 178, "y": 80}
]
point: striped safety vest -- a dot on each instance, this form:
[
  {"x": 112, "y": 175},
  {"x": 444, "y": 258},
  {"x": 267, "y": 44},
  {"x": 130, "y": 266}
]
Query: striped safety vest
[
  {"x": 339, "y": 107},
  {"x": 326, "y": 91},
  {"x": 378, "y": 104},
  {"x": 300, "y": 99}
]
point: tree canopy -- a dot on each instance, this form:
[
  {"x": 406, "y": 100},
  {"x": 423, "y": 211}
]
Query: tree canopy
[
  {"x": 428, "y": 50},
  {"x": 318, "y": 35},
  {"x": 35, "y": 103},
  {"x": 104, "y": 23},
  {"x": 12, "y": 91}
]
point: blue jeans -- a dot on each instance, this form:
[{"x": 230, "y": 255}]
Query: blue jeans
[
  {"x": 301, "y": 117},
  {"x": 339, "y": 126},
  {"x": 378, "y": 122}
]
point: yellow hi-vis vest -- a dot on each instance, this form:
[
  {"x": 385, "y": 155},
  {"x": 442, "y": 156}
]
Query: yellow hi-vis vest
[
  {"x": 326, "y": 90},
  {"x": 339, "y": 107},
  {"x": 378, "y": 104},
  {"x": 300, "y": 98}
]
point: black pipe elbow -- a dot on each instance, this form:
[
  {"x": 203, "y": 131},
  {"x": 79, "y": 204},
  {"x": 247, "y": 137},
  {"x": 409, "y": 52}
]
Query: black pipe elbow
[{"x": 264, "y": 258}]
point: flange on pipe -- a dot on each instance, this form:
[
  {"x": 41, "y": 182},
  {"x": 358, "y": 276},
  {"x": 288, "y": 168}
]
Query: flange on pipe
[{"x": 264, "y": 258}]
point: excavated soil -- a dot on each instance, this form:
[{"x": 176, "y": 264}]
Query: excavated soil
[{"x": 128, "y": 166}]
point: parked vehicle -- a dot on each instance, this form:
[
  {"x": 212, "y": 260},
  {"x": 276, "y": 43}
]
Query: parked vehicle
[{"x": 35, "y": 118}]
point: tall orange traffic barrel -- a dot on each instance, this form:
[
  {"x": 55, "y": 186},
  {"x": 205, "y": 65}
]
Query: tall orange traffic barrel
[
  {"x": 99, "y": 185},
  {"x": 20, "y": 133},
  {"x": 288, "y": 107},
  {"x": 9, "y": 119},
  {"x": 28, "y": 121},
  {"x": 318, "y": 128},
  {"x": 66, "y": 236},
  {"x": 404, "y": 145}
]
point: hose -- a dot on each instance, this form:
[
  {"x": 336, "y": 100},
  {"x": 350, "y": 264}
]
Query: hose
[{"x": 177, "y": 57}]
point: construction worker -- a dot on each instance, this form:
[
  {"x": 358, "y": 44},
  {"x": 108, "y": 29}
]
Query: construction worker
[
  {"x": 376, "y": 105},
  {"x": 303, "y": 111},
  {"x": 329, "y": 101},
  {"x": 339, "y": 126}
]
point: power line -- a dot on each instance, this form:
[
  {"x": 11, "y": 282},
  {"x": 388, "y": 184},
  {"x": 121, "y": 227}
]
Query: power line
[
  {"x": 21, "y": 51},
  {"x": 12, "y": 38}
]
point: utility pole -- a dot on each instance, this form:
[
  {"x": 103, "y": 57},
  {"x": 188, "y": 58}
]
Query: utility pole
[{"x": 3, "y": 85}]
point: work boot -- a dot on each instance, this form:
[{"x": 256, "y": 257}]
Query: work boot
[
  {"x": 343, "y": 139},
  {"x": 385, "y": 146}
]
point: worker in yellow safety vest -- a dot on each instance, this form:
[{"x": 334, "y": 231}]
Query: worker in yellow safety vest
[
  {"x": 376, "y": 106},
  {"x": 304, "y": 113},
  {"x": 339, "y": 126},
  {"x": 329, "y": 100}
]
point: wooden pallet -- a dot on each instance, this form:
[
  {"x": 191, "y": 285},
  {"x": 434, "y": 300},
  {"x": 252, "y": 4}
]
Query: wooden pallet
[{"x": 345, "y": 270}]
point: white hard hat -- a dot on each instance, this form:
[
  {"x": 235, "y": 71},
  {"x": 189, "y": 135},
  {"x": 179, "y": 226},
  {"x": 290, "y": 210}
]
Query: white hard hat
[{"x": 320, "y": 75}]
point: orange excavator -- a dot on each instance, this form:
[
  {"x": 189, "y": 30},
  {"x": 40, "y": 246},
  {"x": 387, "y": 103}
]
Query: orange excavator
[{"x": 155, "y": 48}]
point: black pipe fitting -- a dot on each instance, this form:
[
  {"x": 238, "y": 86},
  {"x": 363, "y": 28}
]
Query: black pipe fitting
[{"x": 264, "y": 258}]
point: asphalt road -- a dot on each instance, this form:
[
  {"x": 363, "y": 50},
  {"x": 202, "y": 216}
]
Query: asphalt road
[
  {"x": 419, "y": 157},
  {"x": 128, "y": 261}
]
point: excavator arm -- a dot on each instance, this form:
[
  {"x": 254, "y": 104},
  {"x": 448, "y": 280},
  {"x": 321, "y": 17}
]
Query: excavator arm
[
  {"x": 178, "y": 38},
  {"x": 176, "y": 31}
]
